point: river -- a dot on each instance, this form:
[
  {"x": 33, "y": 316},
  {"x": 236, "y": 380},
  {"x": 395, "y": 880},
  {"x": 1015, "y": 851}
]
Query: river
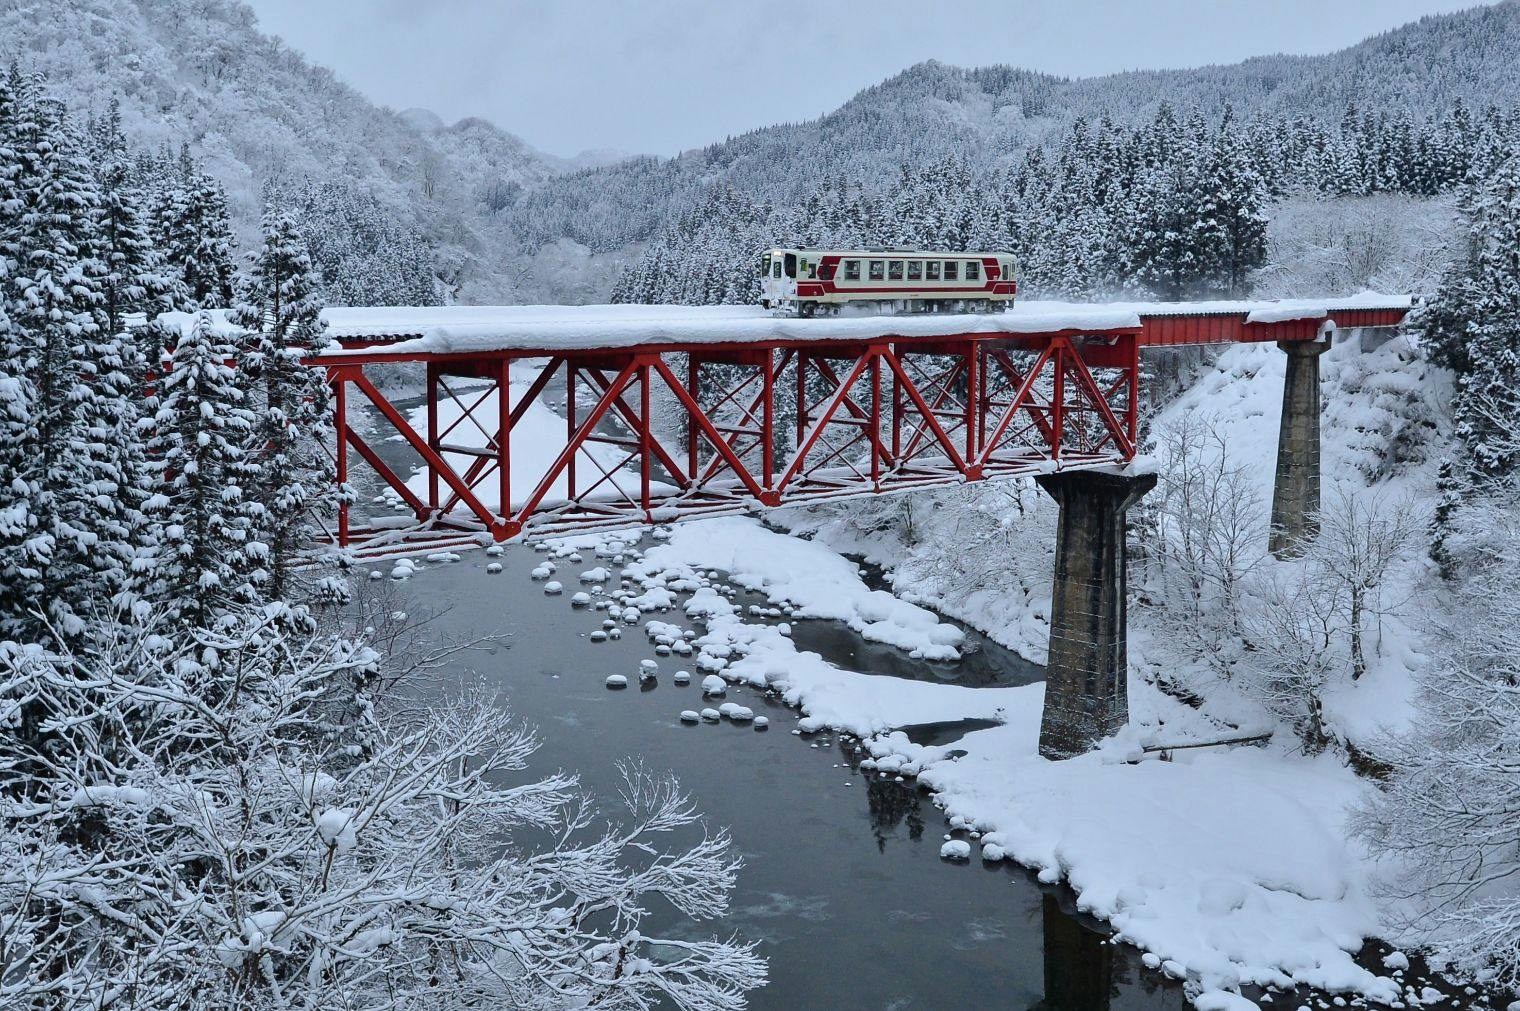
[{"x": 842, "y": 883}]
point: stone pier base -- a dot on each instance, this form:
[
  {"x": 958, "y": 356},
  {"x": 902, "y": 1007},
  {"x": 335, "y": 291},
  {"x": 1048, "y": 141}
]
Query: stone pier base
[
  {"x": 1295, "y": 494},
  {"x": 1086, "y": 690}
]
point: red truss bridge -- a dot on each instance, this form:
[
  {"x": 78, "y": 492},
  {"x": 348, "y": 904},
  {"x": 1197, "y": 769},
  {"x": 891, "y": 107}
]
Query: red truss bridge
[{"x": 674, "y": 412}]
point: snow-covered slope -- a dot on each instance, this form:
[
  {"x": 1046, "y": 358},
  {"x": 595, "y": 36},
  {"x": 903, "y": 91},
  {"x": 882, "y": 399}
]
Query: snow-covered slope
[{"x": 199, "y": 71}]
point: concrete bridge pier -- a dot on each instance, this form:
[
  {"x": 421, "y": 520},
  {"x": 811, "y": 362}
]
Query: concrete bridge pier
[
  {"x": 1295, "y": 493},
  {"x": 1086, "y": 689}
]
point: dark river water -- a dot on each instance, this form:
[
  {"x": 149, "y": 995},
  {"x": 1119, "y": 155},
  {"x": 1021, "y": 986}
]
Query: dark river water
[{"x": 843, "y": 885}]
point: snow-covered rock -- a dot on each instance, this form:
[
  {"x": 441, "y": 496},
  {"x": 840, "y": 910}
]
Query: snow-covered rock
[
  {"x": 714, "y": 685},
  {"x": 955, "y": 849},
  {"x": 617, "y": 681}
]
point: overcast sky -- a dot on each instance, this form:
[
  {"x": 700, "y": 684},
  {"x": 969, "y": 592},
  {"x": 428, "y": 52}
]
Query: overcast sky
[{"x": 659, "y": 76}]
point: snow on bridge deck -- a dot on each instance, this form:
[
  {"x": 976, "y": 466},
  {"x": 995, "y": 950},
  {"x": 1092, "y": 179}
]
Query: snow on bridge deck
[{"x": 437, "y": 330}]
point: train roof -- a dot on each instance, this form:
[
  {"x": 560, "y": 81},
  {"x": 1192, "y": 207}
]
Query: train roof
[{"x": 881, "y": 251}]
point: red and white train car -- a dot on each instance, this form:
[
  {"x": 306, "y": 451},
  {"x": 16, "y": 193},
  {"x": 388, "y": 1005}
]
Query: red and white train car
[{"x": 808, "y": 282}]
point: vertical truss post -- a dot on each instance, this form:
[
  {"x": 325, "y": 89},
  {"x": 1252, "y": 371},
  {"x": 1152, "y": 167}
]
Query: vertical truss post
[
  {"x": 646, "y": 447},
  {"x": 974, "y": 411},
  {"x": 1132, "y": 413},
  {"x": 898, "y": 414},
  {"x": 432, "y": 434},
  {"x": 875, "y": 419},
  {"x": 694, "y": 388},
  {"x": 767, "y": 421},
  {"x": 981, "y": 405},
  {"x": 504, "y": 436},
  {"x": 570, "y": 367},
  {"x": 340, "y": 430},
  {"x": 1058, "y": 401}
]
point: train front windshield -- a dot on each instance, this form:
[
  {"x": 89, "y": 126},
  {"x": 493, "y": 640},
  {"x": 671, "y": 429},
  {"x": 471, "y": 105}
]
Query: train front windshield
[{"x": 791, "y": 264}]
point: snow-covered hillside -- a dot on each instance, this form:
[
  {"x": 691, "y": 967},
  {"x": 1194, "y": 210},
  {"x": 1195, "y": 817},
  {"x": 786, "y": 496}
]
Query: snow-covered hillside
[
  {"x": 988, "y": 116},
  {"x": 256, "y": 112}
]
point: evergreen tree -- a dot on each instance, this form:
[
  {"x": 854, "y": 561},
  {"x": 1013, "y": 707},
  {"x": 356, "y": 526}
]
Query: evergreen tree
[
  {"x": 206, "y": 561},
  {"x": 192, "y": 229},
  {"x": 293, "y": 418},
  {"x": 208, "y": 267},
  {"x": 134, "y": 280},
  {"x": 1231, "y": 222},
  {"x": 1472, "y": 326},
  {"x": 65, "y": 490}
]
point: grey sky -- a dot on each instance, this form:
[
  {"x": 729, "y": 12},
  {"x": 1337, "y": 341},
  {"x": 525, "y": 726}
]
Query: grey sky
[{"x": 659, "y": 76}]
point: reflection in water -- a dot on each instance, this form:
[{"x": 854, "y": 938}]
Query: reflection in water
[
  {"x": 893, "y": 804},
  {"x": 1079, "y": 963}
]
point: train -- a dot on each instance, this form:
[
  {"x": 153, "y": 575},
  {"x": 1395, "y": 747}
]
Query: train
[{"x": 813, "y": 282}]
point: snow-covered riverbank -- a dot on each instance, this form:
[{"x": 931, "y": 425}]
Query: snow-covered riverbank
[{"x": 1229, "y": 867}]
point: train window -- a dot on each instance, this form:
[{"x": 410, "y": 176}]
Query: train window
[
  {"x": 915, "y": 270},
  {"x": 776, "y": 269},
  {"x": 852, "y": 270},
  {"x": 791, "y": 264},
  {"x": 931, "y": 270},
  {"x": 973, "y": 271},
  {"x": 952, "y": 270},
  {"x": 765, "y": 265},
  {"x": 894, "y": 270},
  {"x": 878, "y": 269}
]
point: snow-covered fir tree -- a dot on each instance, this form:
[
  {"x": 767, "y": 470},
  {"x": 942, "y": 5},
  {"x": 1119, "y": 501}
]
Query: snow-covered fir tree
[
  {"x": 1472, "y": 326},
  {"x": 64, "y": 510},
  {"x": 191, "y": 227},
  {"x": 136, "y": 280},
  {"x": 207, "y": 560},
  {"x": 293, "y": 486}
]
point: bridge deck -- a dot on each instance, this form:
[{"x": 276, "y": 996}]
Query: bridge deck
[
  {"x": 662, "y": 413},
  {"x": 462, "y": 330}
]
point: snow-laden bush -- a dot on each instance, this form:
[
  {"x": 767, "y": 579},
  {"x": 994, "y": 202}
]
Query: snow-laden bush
[
  {"x": 1383, "y": 242},
  {"x": 1447, "y": 817},
  {"x": 233, "y": 820},
  {"x": 1279, "y": 633}
]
